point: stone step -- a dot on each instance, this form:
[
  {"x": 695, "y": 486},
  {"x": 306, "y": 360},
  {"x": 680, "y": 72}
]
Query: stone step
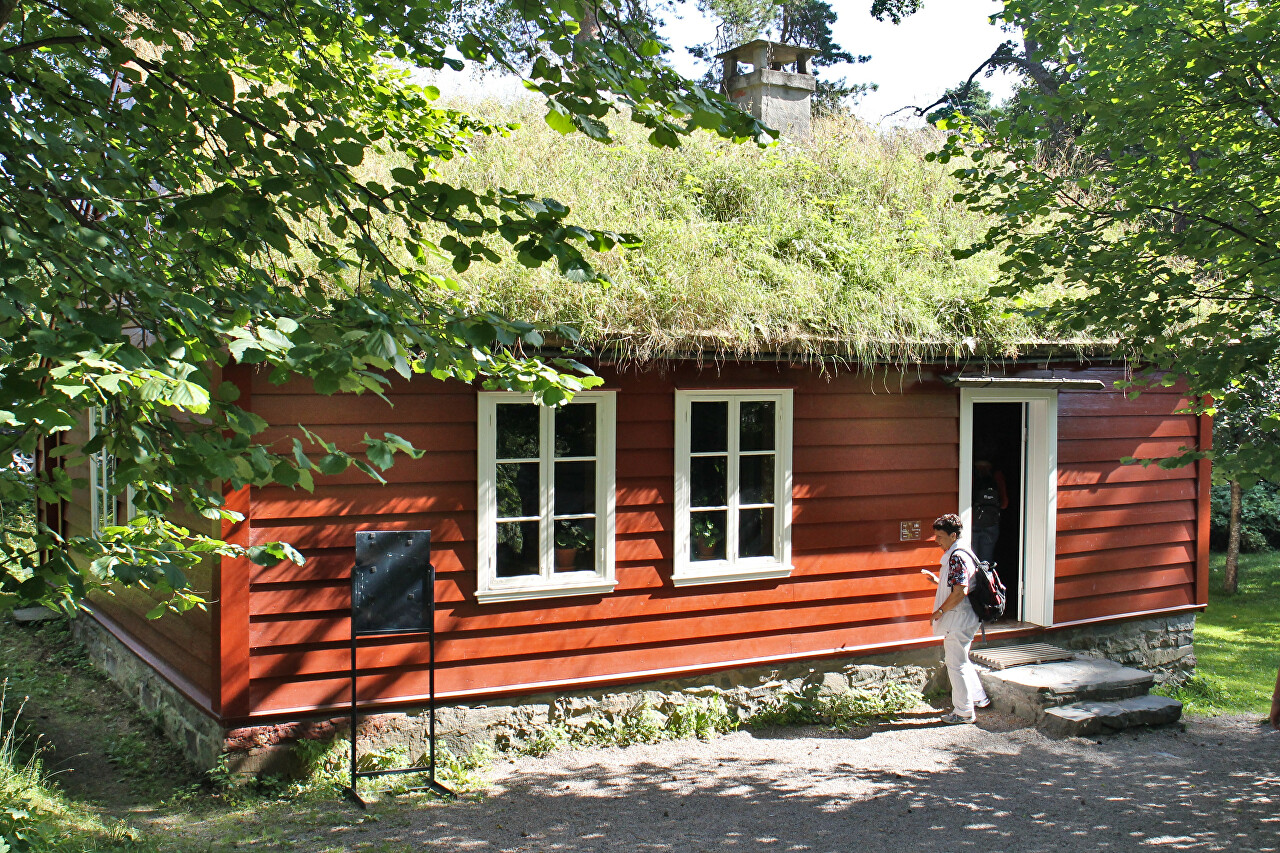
[
  {"x": 1083, "y": 719},
  {"x": 1028, "y": 691}
]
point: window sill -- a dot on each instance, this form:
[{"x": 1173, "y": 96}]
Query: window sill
[
  {"x": 524, "y": 593},
  {"x": 727, "y": 575}
]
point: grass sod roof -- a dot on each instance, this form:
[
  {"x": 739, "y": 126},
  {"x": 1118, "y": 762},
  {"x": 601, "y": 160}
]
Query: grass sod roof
[{"x": 840, "y": 247}]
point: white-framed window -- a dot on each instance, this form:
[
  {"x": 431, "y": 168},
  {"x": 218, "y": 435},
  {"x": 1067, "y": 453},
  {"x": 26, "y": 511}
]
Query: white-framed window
[
  {"x": 733, "y": 486},
  {"x": 547, "y": 489},
  {"x": 107, "y": 507}
]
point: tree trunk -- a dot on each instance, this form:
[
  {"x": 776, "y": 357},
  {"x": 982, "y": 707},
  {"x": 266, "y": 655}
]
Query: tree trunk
[{"x": 1231, "y": 578}]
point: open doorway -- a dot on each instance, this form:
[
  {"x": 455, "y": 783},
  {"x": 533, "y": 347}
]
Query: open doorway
[
  {"x": 996, "y": 493},
  {"x": 1014, "y": 429}
]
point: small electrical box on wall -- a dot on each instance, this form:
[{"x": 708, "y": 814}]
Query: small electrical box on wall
[{"x": 909, "y": 531}]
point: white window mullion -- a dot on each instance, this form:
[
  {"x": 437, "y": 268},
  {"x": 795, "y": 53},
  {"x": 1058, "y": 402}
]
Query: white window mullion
[
  {"x": 781, "y": 481},
  {"x": 546, "y": 490},
  {"x": 733, "y": 499}
]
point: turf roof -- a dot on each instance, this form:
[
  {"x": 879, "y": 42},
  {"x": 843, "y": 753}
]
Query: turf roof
[{"x": 837, "y": 247}]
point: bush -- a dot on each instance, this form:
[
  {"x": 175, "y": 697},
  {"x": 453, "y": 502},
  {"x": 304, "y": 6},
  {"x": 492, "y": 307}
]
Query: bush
[{"x": 1259, "y": 517}]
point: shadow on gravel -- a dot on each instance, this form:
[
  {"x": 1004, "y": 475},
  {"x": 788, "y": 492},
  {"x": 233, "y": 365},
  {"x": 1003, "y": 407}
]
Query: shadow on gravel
[{"x": 1155, "y": 790}]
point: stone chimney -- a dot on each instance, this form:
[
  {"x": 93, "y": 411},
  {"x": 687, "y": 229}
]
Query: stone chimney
[{"x": 777, "y": 86}]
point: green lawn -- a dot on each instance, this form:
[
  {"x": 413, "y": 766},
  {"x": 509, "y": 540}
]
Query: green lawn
[{"x": 1238, "y": 640}]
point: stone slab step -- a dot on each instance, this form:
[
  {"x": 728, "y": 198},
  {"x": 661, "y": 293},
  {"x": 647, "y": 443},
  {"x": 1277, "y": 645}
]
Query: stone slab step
[
  {"x": 1090, "y": 718},
  {"x": 1028, "y": 691}
]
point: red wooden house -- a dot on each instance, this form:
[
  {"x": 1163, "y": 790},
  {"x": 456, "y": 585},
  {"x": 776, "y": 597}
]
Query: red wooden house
[
  {"x": 817, "y": 491},
  {"x": 691, "y": 516}
]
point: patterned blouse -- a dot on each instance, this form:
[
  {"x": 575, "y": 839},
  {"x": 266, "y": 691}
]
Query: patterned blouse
[{"x": 957, "y": 571}]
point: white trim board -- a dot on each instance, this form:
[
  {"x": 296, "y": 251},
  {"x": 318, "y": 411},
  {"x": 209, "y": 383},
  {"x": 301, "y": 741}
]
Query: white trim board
[{"x": 1040, "y": 497}]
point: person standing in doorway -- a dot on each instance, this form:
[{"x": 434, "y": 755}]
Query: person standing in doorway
[
  {"x": 990, "y": 500},
  {"x": 955, "y": 621}
]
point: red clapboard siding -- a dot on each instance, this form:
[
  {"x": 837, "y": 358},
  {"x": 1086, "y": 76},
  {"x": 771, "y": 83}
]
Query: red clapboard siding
[
  {"x": 1111, "y": 583},
  {"x": 1100, "y": 607},
  {"x": 1080, "y": 497},
  {"x": 1116, "y": 559},
  {"x": 876, "y": 431},
  {"x": 1126, "y": 426},
  {"x": 841, "y": 406},
  {"x": 869, "y": 453},
  {"x": 838, "y": 510},
  {"x": 1125, "y": 532},
  {"x": 842, "y": 484},
  {"x": 1113, "y": 450},
  {"x": 433, "y": 437},
  {"x": 183, "y": 641},
  {"x": 367, "y": 499},
  {"x": 1075, "y": 542},
  {"x": 405, "y": 408},
  {"x": 1104, "y": 473},
  {"x": 634, "y": 603},
  {"x": 882, "y": 458},
  {"x": 1095, "y": 519},
  {"x": 332, "y": 692},
  {"x": 569, "y": 638}
]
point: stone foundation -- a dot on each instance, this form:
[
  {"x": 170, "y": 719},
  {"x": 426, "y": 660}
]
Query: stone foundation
[
  {"x": 1161, "y": 645},
  {"x": 197, "y": 734}
]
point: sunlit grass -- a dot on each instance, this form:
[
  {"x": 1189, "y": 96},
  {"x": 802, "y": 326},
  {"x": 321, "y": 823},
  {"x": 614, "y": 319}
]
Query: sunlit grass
[
  {"x": 1238, "y": 640},
  {"x": 34, "y": 815}
]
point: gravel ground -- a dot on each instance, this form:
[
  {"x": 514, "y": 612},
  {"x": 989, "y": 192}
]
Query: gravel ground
[{"x": 910, "y": 785}]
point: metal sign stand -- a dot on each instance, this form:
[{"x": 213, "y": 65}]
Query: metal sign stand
[{"x": 390, "y": 594}]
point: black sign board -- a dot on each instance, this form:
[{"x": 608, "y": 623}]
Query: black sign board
[
  {"x": 388, "y": 585},
  {"x": 393, "y": 592}
]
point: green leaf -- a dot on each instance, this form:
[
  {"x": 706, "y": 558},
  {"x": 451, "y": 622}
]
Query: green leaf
[
  {"x": 350, "y": 152},
  {"x": 559, "y": 120}
]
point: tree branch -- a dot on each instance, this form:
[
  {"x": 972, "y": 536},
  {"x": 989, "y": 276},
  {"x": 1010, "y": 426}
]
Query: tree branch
[{"x": 27, "y": 47}]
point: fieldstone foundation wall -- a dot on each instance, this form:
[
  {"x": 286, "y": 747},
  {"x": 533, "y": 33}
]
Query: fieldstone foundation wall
[
  {"x": 197, "y": 734},
  {"x": 1161, "y": 645}
]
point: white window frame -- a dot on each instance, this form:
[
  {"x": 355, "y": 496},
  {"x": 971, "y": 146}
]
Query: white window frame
[
  {"x": 103, "y": 509},
  {"x": 687, "y": 572},
  {"x": 548, "y": 582},
  {"x": 1040, "y": 501}
]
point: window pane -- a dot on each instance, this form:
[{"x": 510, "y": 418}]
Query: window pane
[
  {"x": 708, "y": 480},
  {"x": 755, "y": 533},
  {"x": 709, "y": 427},
  {"x": 517, "y": 425},
  {"x": 706, "y": 535},
  {"x": 517, "y": 485},
  {"x": 575, "y": 545},
  {"x": 755, "y": 479},
  {"x": 575, "y": 488},
  {"x": 576, "y": 430},
  {"x": 517, "y": 549},
  {"x": 757, "y": 425}
]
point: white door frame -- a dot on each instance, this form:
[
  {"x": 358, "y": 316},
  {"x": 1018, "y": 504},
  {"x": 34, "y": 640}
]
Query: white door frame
[{"x": 1040, "y": 494}]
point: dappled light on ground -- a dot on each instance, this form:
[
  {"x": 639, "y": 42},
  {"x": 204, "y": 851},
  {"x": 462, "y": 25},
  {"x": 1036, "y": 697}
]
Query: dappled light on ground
[{"x": 997, "y": 787}]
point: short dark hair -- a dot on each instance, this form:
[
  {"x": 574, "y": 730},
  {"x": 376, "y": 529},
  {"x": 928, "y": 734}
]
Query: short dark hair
[{"x": 949, "y": 523}]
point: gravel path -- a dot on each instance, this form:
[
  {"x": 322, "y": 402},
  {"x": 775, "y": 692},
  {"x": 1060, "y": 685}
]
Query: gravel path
[{"x": 912, "y": 785}]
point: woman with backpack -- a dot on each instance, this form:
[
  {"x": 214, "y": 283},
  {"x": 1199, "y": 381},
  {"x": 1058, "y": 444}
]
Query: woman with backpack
[{"x": 955, "y": 621}]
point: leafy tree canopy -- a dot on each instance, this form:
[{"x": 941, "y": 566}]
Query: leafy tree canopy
[
  {"x": 1159, "y": 211},
  {"x": 969, "y": 99},
  {"x": 183, "y": 188}
]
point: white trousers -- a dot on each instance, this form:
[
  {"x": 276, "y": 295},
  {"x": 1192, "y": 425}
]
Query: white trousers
[{"x": 966, "y": 689}]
